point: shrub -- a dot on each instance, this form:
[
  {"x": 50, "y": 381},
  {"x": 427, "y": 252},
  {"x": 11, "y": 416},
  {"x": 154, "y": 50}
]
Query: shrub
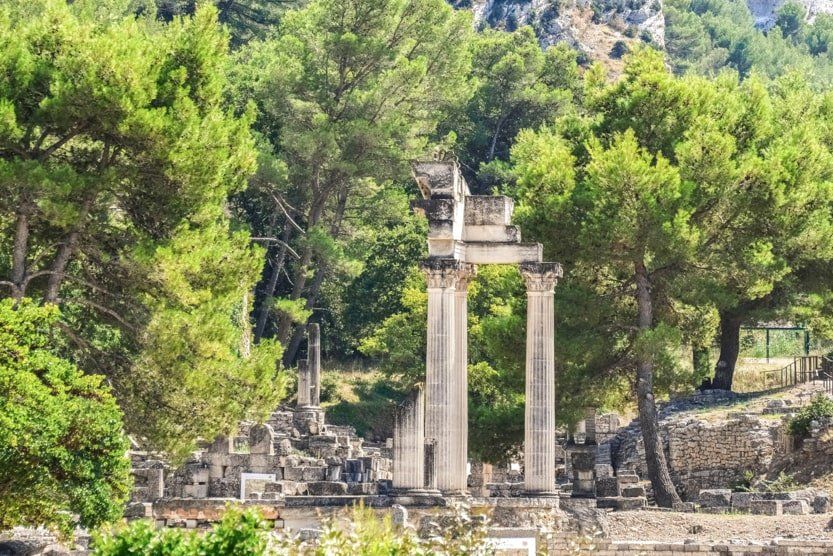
[
  {"x": 245, "y": 533},
  {"x": 819, "y": 409},
  {"x": 242, "y": 533},
  {"x": 62, "y": 449},
  {"x": 620, "y": 48}
]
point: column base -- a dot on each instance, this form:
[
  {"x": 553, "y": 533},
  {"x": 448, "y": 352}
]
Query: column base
[
  {"x": 455, "y": 493},
  {"x": 541, "y": 494},
  {"x": 417, "y": 497}
]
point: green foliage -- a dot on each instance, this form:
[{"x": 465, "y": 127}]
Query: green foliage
[
  {"x": 243, "y": 533},
  {"x": 245, "y": 19},
  {"x": 820, "y": 409},
  {"x": 820, "y": 34},
  {"x": 196, "y": 343},
  {"x": 62, "y": 449},
  {"x": 619, "y": 49},
  {"x": 364, "y": 401},
  {"x": 648, "y": 172},
  {"x": 790, "y": 19},
  {"x": 347, "y": 92},
  {"x": 117, "y": 156},
  {"x": 704, "y": 36},
  {"x": 516, "y": 86}
]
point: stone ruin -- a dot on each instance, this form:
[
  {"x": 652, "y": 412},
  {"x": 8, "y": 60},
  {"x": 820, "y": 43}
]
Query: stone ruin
[
  {"x": 295, "y": 454},
  {"x": 464, "y": 231},
  {"x": 295, "y": 459}
]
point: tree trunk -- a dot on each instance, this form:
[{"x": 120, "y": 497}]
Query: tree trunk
[
  {"x": 285, "y": 321},
  {"x": 664, "y": 491},
  {"x": 493, "y": 145},
  {"x": 700, "y": 361},
  {"x": 19, "y": 252},
  {"x": 724, "y": 372},
  {"x": 67, "y": 249},
  {"x": 298, "y": 336},
  {"x": 269, "y": 291}
]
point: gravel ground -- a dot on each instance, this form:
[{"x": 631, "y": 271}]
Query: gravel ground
[{"x": 677, "y": 527}]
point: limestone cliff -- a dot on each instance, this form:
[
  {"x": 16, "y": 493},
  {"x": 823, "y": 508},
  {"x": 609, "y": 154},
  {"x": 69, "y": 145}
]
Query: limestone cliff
[
  {"x": 591, "y": 26},
  {"x": 765, "y": 11}
]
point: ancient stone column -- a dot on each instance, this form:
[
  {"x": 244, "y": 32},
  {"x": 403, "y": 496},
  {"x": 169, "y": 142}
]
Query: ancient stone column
[
  {"x": 442, "y": 381},
  {"x": 461, "y": 408},
  {"x": 539, "y": 426},
  {"x": 314, "y": 356},
  {"x": 303, "y": 384},
  {"x": 409, "y": 443},
  {"x": 590, "y": 426}
]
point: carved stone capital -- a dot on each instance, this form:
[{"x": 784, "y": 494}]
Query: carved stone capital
[
  {"x": 442, "y": 273},
  {"x": 465, "y": 273},
  {"x": 540, "y": 277}
]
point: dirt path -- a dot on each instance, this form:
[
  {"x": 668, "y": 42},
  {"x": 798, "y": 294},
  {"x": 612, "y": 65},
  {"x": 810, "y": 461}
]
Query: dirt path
[{"x": 672, "y": 526}]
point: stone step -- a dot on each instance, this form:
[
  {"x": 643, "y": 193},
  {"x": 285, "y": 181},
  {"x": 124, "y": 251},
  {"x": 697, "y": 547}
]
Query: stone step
[
  {"x": 620, "y": 503},
  {"x": 633, "y": 491}
]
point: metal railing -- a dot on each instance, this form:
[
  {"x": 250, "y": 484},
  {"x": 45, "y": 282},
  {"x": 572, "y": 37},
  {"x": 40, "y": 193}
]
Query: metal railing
[
  {"x": 826, "y": 373},
  {"x": 807, "y": 368}
]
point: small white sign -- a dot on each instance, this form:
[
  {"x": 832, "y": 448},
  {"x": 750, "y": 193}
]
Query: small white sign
[{"x": 514, "y": 544}]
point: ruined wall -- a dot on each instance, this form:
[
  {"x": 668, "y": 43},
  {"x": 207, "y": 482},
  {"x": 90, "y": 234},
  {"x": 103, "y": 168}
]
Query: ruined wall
[{"x": 706, "y": 454}]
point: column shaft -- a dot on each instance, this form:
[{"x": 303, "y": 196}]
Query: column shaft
[
  {"x": 303, "y": 383},
  {"x": 442, "y": 382},
  {"x": 314, "y": 356},
  {"x": 409, "y": 443},
  {"x": 539, "y": 430},
  {"x": 461, "y": 414}
]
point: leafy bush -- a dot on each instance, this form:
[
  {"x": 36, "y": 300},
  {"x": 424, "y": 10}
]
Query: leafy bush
[
  {"x": 242, "y": 533},
  {"x": 620, "y": 48},
  {"x": 62, "y": 449},
  {"x": 246, "y": 533},
  {"x": 821, "y": 408}
]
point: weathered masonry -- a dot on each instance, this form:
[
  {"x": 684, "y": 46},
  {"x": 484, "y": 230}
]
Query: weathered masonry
[{"x": 464, "y": 231}]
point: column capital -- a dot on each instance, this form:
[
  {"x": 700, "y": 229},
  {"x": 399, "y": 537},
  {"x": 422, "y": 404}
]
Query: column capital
[
  {"x": 465, "y": 273},
  {"x": 446, "y": 273},
  {"x": 540, "y": 277}
]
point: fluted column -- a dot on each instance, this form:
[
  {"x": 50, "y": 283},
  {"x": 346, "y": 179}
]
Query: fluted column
[
  {"x": 461, "y": 409},
  {"x": 314, "y": 356},
  {"x": 539, "y": 425},
  {"x": 442, "y": 383},
  {"x": 409, "y": 444}
]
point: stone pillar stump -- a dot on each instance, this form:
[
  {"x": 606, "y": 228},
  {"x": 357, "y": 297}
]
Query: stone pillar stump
[{"x": 409, "y": 444}]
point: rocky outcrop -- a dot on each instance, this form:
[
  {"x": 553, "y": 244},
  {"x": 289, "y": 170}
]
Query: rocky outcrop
[
  {"x": 765, "y": 11},
  {"x": 588, "y": 25}
]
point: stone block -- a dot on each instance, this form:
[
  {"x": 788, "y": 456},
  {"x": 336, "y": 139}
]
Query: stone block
[
  {"x": 619, "y": 503},
  {"x": 741, "y": 500},
  {"x": 686, "y": 507},
  {"x": 766, "y": 507},
  {"x": 821, "y": 504},
  {"x": 628, "y": 478},
  {"x": 626, "y": 504},
  {"x": 633, "y": 491},
  {"x": 363, "y": 489},
  {"x": 582, "y": 461},
  {"x": 715, "y": 497},
  {"x": 795, "y": 507},
  {"x": 326, "y": 488},
  {"x": 604, "y": 470},
  {"x": 607, "y": 487}
]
